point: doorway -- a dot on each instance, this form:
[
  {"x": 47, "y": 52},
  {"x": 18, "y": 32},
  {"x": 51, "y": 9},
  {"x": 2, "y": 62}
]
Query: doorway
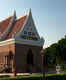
[{"x": 30, "y": 60}]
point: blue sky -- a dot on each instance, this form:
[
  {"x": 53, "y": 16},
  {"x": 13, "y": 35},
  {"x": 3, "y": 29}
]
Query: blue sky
[{"x": 49, "y": 16}]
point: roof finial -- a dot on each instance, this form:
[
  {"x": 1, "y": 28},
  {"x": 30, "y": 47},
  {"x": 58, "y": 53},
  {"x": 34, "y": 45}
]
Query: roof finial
[
  {"x": 30, "y": 10},
  {"x": 14, "y": 12}
]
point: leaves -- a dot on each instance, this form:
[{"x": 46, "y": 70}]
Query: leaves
[{"x": 56, "y": 53}]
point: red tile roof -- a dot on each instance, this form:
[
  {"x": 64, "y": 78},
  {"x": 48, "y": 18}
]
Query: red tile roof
[
  {"x": 5, "y": 24},
  {"x": 17, "y": 26}
]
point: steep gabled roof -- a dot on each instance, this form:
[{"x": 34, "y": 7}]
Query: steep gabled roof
[
  {"x": 17, "y": 26},
  {"x": 23, "y": 28},
  {"x": 5, "y": 24}
]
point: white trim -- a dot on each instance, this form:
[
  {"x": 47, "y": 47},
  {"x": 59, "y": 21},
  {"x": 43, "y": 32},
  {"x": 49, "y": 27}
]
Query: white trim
[
  {"x": 24, "y": 23},
  {"x": 7, "y": 42},
  {"x": 30, "y": 42},
  {"x": 22, "y": 41}
]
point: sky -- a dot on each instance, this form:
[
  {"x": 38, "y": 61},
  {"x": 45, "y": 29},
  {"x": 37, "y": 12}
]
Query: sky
[{"x": 49, "y": 16}]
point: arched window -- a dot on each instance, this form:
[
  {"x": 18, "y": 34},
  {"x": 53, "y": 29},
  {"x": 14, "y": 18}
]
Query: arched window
[{"x": 30, "y": 57}]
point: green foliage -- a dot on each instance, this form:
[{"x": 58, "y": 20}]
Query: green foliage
[
  {"x": 62, "y": 44},
  {"x": 56, "y": 53}
]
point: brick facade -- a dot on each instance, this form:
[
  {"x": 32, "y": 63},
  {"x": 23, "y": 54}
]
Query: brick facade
[{"x": 19, "y": 60}]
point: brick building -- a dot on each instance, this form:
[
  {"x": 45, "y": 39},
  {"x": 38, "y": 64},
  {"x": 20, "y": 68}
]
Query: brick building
[{"x": 20, "y": 44}]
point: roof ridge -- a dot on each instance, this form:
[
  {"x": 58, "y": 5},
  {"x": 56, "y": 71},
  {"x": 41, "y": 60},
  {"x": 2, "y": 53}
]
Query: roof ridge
[
  {"x": 6, "y": 19},
  {"x": 21, "y": 17},
  {"x": 6, "y": 30},
  {"x": 12, "y": 16}
]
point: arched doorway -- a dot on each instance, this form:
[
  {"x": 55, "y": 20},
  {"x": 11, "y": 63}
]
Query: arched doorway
[{"x": 30, "y": 60}]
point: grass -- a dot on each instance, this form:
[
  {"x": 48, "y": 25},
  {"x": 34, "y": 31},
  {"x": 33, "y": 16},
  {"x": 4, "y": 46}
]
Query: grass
[
  {"x": 28, "y": 77},
  {"x": 61, "y": 76}
]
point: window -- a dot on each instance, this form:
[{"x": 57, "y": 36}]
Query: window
[
  {"x": 29, "y": 33},
  {"x": 25, "y": 32}
]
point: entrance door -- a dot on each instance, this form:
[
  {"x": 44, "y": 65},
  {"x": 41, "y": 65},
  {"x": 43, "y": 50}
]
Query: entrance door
[{"x": 30, "y": 61}]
